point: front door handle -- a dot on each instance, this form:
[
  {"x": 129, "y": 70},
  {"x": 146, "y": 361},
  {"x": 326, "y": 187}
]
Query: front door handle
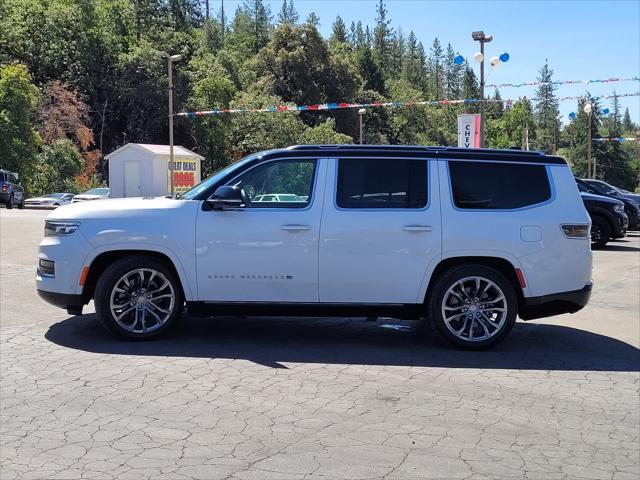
[
  {"x": 417, "y": 228},
  {"x": 295, "y": 228}
]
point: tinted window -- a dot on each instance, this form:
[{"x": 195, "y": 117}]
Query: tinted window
[
  {"x": 486, "y": 185},
  {"x": 391, "y": 183},
  {"x": 279, "y": 184},
  {"x": 1, "y": 176}
]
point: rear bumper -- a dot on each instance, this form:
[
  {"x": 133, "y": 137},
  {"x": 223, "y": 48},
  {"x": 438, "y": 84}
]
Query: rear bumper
[
  {"x": 72, "y": 303},
  {"x": 555, "y": 304},
  {"x": 4, "y": 196}
]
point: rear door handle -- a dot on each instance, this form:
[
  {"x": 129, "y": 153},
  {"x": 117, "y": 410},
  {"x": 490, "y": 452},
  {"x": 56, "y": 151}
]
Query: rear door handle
[
  {"x": 295, "y": 228},
  {"x": 417, "y": 228}
]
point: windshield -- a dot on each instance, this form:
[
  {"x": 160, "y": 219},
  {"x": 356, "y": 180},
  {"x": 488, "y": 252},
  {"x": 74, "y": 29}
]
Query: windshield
[
  {"x": 214, "y": 178},
  {"x": 97, "y": 191}
]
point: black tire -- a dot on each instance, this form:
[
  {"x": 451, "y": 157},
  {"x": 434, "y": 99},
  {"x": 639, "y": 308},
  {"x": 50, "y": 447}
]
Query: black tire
[
  {"x": 107, "y": 283},
  {"x": 21, "y": 204},
  {"x": 10, "y": 202},
  {"x": 436, "y": 305},
  {"x": 600, "y": 232}
]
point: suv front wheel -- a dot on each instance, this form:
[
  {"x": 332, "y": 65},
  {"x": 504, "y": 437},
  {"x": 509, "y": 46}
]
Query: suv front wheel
[
  {"x": 473, "y": 306},
  {"x": 138, "y": 297}
]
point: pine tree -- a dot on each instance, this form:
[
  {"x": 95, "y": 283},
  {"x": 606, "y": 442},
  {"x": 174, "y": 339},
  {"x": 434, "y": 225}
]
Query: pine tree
[
  {"x": 436, "y": 68},
  {"x": 260, "y": 15},
  {"x": 627, "y": 124},
  {"x": 452, "y": 75},
  {"x": 616, "y": 118},
  {"x": 547, "y": 113},
  {"x": 575, "y": 135},
  {"x": 338, "y": 31},
  {"x": 382, "y": 37},
  {"x": 313, "y": 19},
  {"x": 288, "y": 13},
  {"x": 470, "y": 86}
]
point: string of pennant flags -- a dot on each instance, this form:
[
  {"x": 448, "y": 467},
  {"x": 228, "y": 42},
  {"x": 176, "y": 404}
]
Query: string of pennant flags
[
  {"x": 563, "y": 82},
  {"x": 616, "y": 139},
  {"x": 397, "y": 104}
]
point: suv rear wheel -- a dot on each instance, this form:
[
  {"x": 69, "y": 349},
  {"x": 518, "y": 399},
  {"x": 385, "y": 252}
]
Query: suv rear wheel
[
  {"x": 600, "y": 231},
  {"x": 473, "y": 306},
  {"x": 138, "y": 297}
]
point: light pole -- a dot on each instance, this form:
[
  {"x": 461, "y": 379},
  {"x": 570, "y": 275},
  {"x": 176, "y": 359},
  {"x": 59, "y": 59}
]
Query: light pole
[
  {"x": 587, "y": 109},
  {"x": 170, "y": 60},
  {"x": 482, "y": 38},
  {"x": 361, "y": 113}
]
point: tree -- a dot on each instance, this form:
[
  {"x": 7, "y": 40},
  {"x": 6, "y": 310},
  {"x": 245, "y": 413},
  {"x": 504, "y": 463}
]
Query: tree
[
  {"x": 436, "y": 69},
  {"x": 288, "y": 13},
  {"x": 547, "y": 113},
  {"x": 324, "y": 133},
  {"x": 382, "y": 35},
  {"x": 19, "y": 141},
  {"x": 370, "y": 71},
  {"x": 313, "y": 20},
  {"x": 575, "y": 136},
  {"x": 338, "y": 31},
  {"x": 452, "y": 75},
  {"x": 470, "y": 86},
  {"x": 260, "y": 18},
  {"x": 627, "y": 124},
  {"x": 56, "y": 167}
]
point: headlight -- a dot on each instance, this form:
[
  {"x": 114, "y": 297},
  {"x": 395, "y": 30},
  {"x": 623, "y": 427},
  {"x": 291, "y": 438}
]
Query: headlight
[
  {"x": 56, "y": 229},
  {"x": 618, "y": 208}
]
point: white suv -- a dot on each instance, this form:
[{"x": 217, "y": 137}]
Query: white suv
[{"x": 467, "y": 238}]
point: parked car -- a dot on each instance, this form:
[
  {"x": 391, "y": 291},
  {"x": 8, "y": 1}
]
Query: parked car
[
  {"x": 11, "y": 190},
  {"x": 93, "y": 194},
  {"x": 468, "y": 238},
  {"x": 50, "y": 200},
  {"x": 279, "y": 197},
  {"x": 608, "y": 220},
  {"x": 631, "y": 200}
]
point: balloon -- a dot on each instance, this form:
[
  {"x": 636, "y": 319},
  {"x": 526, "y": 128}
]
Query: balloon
[
  {"x": 478, "y": 57},
  {"x": 495, "y": 62},
  {"x": 605, "y": 111},
  {"x": 504, "y": 57},
  {"x": 572, "y": 115},
  {"x": 587, "y": 108},
  {"x": 458, "y": 59}
]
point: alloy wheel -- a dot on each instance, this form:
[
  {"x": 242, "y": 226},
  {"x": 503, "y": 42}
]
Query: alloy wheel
[
  {"x": 142, "y": 300},
  {"x": 474, "y": 309}
]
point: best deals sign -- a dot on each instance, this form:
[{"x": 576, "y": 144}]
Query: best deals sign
[
  {"x": 185, "y": 175},
  {"x": 469, "y": 131}
]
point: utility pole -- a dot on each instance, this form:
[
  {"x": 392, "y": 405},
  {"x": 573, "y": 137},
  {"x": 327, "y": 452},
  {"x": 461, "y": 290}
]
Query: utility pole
[
  {"x": 479, "y": 36},
  {"x": 361, "y": 113},
  {"x": 222, "y": 13},
  {"x": 587, "y": 109},
  {"x": 170, "y": 60}
]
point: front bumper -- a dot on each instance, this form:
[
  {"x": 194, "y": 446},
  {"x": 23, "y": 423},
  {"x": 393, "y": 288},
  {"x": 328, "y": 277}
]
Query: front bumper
[
  {"x": 71, "y": 302},
  {"x": 555, "y": 304}
]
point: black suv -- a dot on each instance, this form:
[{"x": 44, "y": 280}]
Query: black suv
[
  {"x": 11, "y": 190},
  {"x": 608, "y": 218},
  {"x": 631, "y": 201}
]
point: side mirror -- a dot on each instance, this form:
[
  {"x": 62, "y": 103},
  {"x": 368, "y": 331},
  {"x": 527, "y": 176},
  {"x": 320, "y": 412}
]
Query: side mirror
[{"x": 228, "y": 197}]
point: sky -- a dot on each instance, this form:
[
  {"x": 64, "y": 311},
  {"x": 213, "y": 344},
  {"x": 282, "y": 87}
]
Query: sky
[{"x": 582, "y": 40}]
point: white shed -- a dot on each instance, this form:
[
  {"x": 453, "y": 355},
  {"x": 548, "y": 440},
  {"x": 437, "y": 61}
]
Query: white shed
[{"x": 140, "y": 170}]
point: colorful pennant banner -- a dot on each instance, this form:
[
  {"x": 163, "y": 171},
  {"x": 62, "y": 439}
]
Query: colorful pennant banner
[
  {"x": 616, "y": 139},
  {"x": 345, "y": 105},
  {"x": 563, "y": 82}
]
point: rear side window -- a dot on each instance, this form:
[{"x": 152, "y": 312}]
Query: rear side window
[
  {"x": 386, "y": 183},
  {"x": 1, "y": 176},
  {"x": 487, "y": 185}
]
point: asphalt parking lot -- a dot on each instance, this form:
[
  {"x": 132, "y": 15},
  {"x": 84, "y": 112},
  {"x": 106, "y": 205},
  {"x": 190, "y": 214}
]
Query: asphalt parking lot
[{"x": 248, "y": 398}]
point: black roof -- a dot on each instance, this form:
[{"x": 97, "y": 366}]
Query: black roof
[{"x": 454, "y": 153}]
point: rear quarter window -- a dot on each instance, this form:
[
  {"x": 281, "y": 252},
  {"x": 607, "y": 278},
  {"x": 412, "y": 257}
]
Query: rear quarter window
[{"x": 498, "y": 186}]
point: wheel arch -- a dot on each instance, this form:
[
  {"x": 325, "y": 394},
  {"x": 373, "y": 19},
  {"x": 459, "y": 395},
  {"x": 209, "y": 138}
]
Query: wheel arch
[
  {"x": 605, "y": 216},
  {"x": 106, "y": 258},
  {"x": 502, "y": 265}
]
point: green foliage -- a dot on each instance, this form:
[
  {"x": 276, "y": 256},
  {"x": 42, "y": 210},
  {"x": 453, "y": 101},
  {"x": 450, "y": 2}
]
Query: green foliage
[
  {"x": 324, "y": 133},
  {"x": 547, "y": 113},
  {"x": 19, "y": 141},
  {"x": 55, "y": 169}
]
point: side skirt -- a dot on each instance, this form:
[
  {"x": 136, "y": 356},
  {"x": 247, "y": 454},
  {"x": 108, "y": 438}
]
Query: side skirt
[{"x": 268, "y": 309}]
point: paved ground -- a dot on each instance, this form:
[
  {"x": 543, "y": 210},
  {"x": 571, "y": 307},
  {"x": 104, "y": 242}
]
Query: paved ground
[{"x": 247, "y": 398}]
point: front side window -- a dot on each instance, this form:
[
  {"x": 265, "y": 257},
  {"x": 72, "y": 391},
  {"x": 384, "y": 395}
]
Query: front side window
[
  {"x": 495, "y": 186},
  {"x": 279, "y": 184},
  {"x": 386, "y": 183}
]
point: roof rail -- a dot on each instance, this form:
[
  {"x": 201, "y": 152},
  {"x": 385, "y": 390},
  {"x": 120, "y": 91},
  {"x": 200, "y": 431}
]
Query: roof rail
[{"x": 351, "y": 146}]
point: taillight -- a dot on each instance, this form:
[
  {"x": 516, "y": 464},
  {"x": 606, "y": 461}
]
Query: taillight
[
  {"x": 573, "y": 230},
  {"x": 5, "y": 187}
]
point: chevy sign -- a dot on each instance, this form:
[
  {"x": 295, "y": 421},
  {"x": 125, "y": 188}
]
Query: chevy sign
[{"x": 469, "y": 131}]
